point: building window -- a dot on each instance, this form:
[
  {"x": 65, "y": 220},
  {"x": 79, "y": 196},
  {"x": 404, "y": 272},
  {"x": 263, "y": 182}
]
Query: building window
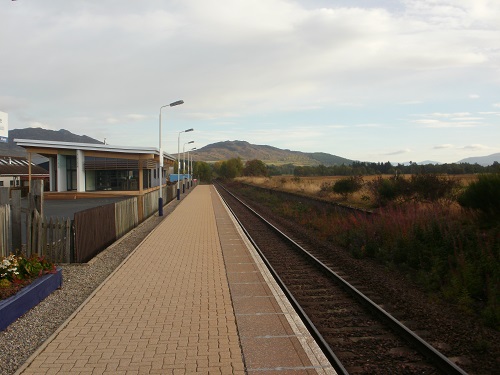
[
  {"x": 71, "y": 172},
  {"x": 117, "y": 180},
  {"x": 1, "y": 183},
  {"x": 146, "y": 178},
  {"x": 11, "y": 183}
]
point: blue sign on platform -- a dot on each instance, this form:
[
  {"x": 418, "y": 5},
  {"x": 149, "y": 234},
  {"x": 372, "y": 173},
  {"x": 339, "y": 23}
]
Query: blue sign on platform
[{"x": 173, "y": 177}]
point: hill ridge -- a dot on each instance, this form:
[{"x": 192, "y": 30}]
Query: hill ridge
[
  {"x": 225, "y": 150},
  {"x": 62, "y": 135}
]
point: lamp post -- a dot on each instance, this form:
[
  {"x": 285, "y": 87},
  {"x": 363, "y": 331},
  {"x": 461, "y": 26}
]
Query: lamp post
[
  {"x": 191, "y": 168},
  {"x": 160, "y": 167},
  {"x": 179, "y": 161},
  {"x": 190, "y": 171},
  {"x": 184, "y": 164}
]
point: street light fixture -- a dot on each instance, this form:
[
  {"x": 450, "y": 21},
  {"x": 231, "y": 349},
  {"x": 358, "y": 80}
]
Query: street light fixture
[
  {"x": 160, "y": 168},
  {"x": 184, "y": 164},
  {"x": 179, "y": 161}
]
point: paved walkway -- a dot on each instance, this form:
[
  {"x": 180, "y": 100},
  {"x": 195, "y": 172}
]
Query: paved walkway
[{"x": 168, "y": 309}]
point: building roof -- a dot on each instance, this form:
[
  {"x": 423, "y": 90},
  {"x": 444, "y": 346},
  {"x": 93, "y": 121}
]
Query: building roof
[
  {"x": 27, "y": 143},
  {"x": 19, "y": 166}
]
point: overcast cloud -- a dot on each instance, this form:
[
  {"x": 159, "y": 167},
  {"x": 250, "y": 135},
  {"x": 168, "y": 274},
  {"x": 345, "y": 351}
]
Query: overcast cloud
[{"x": 366, "y": 80}]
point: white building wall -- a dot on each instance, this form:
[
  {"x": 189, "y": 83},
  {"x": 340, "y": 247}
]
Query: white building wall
[
  {"x": 52, "y": 174},
  {"x": 4, "y": 127},
  {"x": 80, "y": 171}
]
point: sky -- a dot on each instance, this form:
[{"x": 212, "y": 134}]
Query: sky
[{"x": 366, "y": 80}]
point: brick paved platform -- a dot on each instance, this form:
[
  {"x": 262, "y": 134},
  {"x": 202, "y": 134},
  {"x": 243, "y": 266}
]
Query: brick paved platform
[{"x": 193, "y": 298}]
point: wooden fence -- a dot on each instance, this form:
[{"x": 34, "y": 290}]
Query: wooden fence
[
  {"x": 4, "y": 230},
  {"x": 126, "y": 216},
  {"x": 64, "y": 241},
  {"x": 46, "y": 237},
  {"x": 150, "y": 204},
  {"x": 95, "y": 230},
  {"x": 49, "y": 237},
  {"x": 10, "y": 221}
]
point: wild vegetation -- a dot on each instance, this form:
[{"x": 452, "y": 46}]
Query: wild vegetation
[{"x": 442, "y": 231}]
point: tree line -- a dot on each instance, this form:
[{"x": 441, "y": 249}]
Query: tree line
[
  {"x": 365, "y": 169},
  {"x": 235, "y": 167}
]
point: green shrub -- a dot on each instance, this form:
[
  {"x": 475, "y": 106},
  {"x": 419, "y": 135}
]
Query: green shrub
[
  {"x": 348, "y": 185},
  {"x": 420, "y": 187},
  {"x": 483, "y": 195},
  {"x": 432, "y": 187}
]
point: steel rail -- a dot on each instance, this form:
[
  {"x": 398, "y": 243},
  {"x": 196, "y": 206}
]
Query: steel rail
[
  {"x": 437, "y": 358},
  {"x": 327, "y": 350}
]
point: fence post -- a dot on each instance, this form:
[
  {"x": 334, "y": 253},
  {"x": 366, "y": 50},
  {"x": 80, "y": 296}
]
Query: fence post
[
  {"x": 36, "y": 196},
  {"x": 4, "y": 195},
  {"x": 16, "y": 221},
  {"x": 5, "y": 224},
  {"x": 35, "y": 218},
  {"x": 4, "y": 229},
  {"x": 68, "y": 242}
]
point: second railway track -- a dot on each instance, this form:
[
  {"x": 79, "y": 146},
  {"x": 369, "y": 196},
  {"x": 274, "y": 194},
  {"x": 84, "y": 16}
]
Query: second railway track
[{"x": 362, "y": 338}]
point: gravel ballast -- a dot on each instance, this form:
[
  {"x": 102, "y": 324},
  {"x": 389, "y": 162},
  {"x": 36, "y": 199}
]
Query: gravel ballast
[{"x": 23, "y": 337}]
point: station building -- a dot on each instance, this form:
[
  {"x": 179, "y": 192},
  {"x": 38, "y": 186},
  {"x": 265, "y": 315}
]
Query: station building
[{"x": 85, "y": 169}]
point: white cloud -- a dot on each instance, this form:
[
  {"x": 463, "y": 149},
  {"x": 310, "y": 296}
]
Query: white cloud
[
  {"x": 112, "y": 120},
  {"x": 476, "y": 147},
  {"x": 447, "y": 115},
  {"x": 442, "y": 124},
  {"x": 443, "y": 146},
  {"x": 261, "y": 66},
  {"x": 36, "y": 124},
  {"x": 399, "y": 152},
  {"x": 450, "y": 120}
]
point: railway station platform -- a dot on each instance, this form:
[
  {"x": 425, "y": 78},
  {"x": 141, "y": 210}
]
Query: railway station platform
[{"x": 192, "y": 298}]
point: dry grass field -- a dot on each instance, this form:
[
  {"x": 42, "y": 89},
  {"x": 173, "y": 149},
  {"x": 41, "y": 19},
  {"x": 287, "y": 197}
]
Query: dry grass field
[{"x": 319, "y": 187}]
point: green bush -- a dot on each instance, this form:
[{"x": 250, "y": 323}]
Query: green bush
[
  {"x": 483, "y": 195},
  {"x": 420, "y": 187},
  {"x": 255, "y": 168},
  {"x": 388, "y": 190},
  {"x": 432, "y": 187},
  {"x": 348, "y": 185}
]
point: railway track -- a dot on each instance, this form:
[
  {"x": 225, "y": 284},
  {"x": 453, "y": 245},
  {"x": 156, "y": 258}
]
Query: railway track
[{"x": 356, "y": 334}]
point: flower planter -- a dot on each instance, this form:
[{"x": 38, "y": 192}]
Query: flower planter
[{"x": 28, "y": 297}]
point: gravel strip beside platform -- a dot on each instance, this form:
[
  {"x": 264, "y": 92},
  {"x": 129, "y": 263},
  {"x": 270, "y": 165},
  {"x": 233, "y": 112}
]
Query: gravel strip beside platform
[{"x": 23, "y": 337}]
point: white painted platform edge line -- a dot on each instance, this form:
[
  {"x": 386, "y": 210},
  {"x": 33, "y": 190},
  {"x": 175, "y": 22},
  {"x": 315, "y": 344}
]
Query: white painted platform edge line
[{"x": 311, "y": 348}]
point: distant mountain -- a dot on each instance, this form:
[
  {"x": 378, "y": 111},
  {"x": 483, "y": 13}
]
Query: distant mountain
[
  {"x": 268, "y": 154},
  {"x": 482, "y": 160},
  {"x": 426, "y": 162},
  {"x": 329, "y": 159},
  {"x": 11, "y": 149}
]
